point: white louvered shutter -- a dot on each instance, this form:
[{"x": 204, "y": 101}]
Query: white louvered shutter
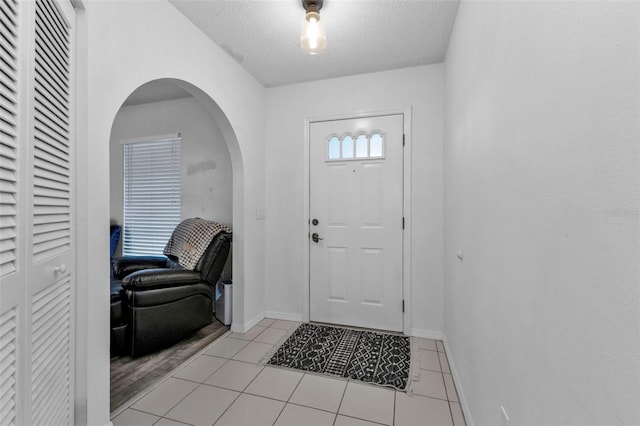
[
  {"x": 51, "y": 241},
  {"x": 11, "y": 279},
  {"x": 51, "y": 158},
  {"x": 8, "y": 367},
  {"x": 37, "y": 257},
  {"x": 8, "y": 135}
]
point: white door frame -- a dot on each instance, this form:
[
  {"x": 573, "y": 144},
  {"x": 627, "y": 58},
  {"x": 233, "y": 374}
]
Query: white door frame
[{"x": 406, "y": 207}]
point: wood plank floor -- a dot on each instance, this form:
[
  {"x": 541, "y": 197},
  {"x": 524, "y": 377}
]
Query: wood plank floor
[{"x": 131, "y": 376}]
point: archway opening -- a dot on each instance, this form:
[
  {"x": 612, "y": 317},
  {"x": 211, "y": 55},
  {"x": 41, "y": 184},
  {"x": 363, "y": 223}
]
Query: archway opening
[{"x": 212, "y": 172}]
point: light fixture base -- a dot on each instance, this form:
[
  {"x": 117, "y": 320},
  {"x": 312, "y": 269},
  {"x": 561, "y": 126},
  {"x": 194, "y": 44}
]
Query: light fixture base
[{"x": 312, "y": 5}]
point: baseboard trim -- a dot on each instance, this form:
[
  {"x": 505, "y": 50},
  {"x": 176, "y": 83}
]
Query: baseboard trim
[
  {"x": 427, "y": 334},
  {"x": 243, "y": 328},
  {"x": 237, "y": 328},
  {"x": 456, "y": 380},
  {"x": 288, "y": 316}
]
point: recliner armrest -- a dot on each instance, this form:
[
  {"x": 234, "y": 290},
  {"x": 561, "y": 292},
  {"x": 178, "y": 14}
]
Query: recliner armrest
[
  {"x": 123, "y": 266},
  {"x": 150, "y": 279}
]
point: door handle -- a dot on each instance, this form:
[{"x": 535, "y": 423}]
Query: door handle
[{"x": 315, "y": 237}]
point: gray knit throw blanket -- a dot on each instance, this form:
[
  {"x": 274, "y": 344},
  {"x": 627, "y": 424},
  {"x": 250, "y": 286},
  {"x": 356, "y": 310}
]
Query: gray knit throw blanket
[{"x": 190, "y": 240}]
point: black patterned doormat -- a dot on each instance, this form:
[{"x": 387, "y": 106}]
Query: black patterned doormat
[{"x": 371, "y": 357}]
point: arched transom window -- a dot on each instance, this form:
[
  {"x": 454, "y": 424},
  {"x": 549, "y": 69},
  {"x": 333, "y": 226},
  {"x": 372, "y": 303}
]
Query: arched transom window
[{"x": 355, "y": 147}]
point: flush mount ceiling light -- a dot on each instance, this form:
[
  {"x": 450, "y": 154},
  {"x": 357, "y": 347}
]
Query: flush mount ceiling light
[{"x": 313, "y": 38}]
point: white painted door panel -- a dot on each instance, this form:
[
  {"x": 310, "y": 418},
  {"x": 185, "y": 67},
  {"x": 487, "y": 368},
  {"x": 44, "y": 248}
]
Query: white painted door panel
[
  {"x": 37, "y": 252},
  {"x": 12, "y": 229},
  {"x": 356, "y": 197}
]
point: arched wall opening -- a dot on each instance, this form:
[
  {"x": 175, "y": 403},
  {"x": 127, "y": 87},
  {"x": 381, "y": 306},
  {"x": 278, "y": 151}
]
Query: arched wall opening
[{"x": 202, "y": 197}]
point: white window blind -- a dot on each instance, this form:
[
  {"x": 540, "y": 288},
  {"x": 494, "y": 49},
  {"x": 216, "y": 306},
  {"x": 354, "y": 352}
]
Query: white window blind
[{"x": 152, "y": 187}]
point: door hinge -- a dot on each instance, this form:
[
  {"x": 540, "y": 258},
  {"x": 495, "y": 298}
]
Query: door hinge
[
  {"x": 403, "y": 305},
  {"x": 403, "y": 222},
  {"x": 403, "y": 139}
]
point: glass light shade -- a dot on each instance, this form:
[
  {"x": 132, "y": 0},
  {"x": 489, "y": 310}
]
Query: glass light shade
[{"x": 313, "y": 38}]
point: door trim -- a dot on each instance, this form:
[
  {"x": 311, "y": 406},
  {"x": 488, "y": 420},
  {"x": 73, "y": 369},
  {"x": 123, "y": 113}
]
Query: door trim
[{"x": 406, "y": 207}]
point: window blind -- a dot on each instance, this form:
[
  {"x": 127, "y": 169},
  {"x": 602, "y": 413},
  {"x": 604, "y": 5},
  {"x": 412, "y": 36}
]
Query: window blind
[{"x": 152, "y": 200}]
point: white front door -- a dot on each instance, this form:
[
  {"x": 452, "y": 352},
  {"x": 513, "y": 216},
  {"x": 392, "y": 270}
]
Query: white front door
[{"x": 356, "y": 222}]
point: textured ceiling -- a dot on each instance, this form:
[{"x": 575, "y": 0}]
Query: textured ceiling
[{"x": 362, "y": 35}]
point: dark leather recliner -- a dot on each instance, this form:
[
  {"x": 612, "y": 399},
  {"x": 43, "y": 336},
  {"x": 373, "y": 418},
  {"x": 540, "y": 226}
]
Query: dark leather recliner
[{"x": 155, "y": 302}]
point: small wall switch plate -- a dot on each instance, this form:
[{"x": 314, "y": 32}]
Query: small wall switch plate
[
  {"x": 260, "y": 213},
  {"x": 506, "y": 421}
]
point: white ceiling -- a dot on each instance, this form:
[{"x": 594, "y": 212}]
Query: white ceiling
[{"x": 362, "y": 35}]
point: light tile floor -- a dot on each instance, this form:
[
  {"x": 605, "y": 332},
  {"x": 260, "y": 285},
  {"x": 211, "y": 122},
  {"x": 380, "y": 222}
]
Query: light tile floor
[{"x": 225, "y": 385}]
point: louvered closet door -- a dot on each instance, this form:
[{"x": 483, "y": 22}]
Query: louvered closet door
[
  {"x": 52, "y": 238},
  {"x": 37, "y": 255},
  {"x": 13, "y": 192},
  {"x": 12, "y": 229}
]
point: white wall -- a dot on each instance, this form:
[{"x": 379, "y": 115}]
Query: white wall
[
  {"x": 542, "y": 136},
  {"x": 420, "y": 88},
  {"x": 151, "y": 41},
  {"x": 206, "y": 166}
]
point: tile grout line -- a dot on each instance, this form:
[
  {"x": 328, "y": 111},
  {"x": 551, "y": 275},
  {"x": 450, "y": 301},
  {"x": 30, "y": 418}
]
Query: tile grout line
[
  {"x": 268, "y": 397},
  {"x": 444, "y": 383},
  {"x": 446, "y": 389},
  {"x": 453, "y": 421},
  {"x": 227, "y": 409},
  {"x": 313, "y": 408},
  {"x": 364, "y": 420},
  {"x": 173, "y": 406},
  {"x": 207, "y": 378},
  {"x": 395, "y": 399},
  {"x": 175, "y": 421},
  {"x": 360, "y": 418},
  {"x": 140, "y": 411},
  {"x": 239, "y": 393},
  {"x": 168, "y": 411},
  {"x": 279, "y": 414},
  {"x": 288, "y": 399},
  {"x": 295, "y": 388},
  {"x": 344, "y": 392}
]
